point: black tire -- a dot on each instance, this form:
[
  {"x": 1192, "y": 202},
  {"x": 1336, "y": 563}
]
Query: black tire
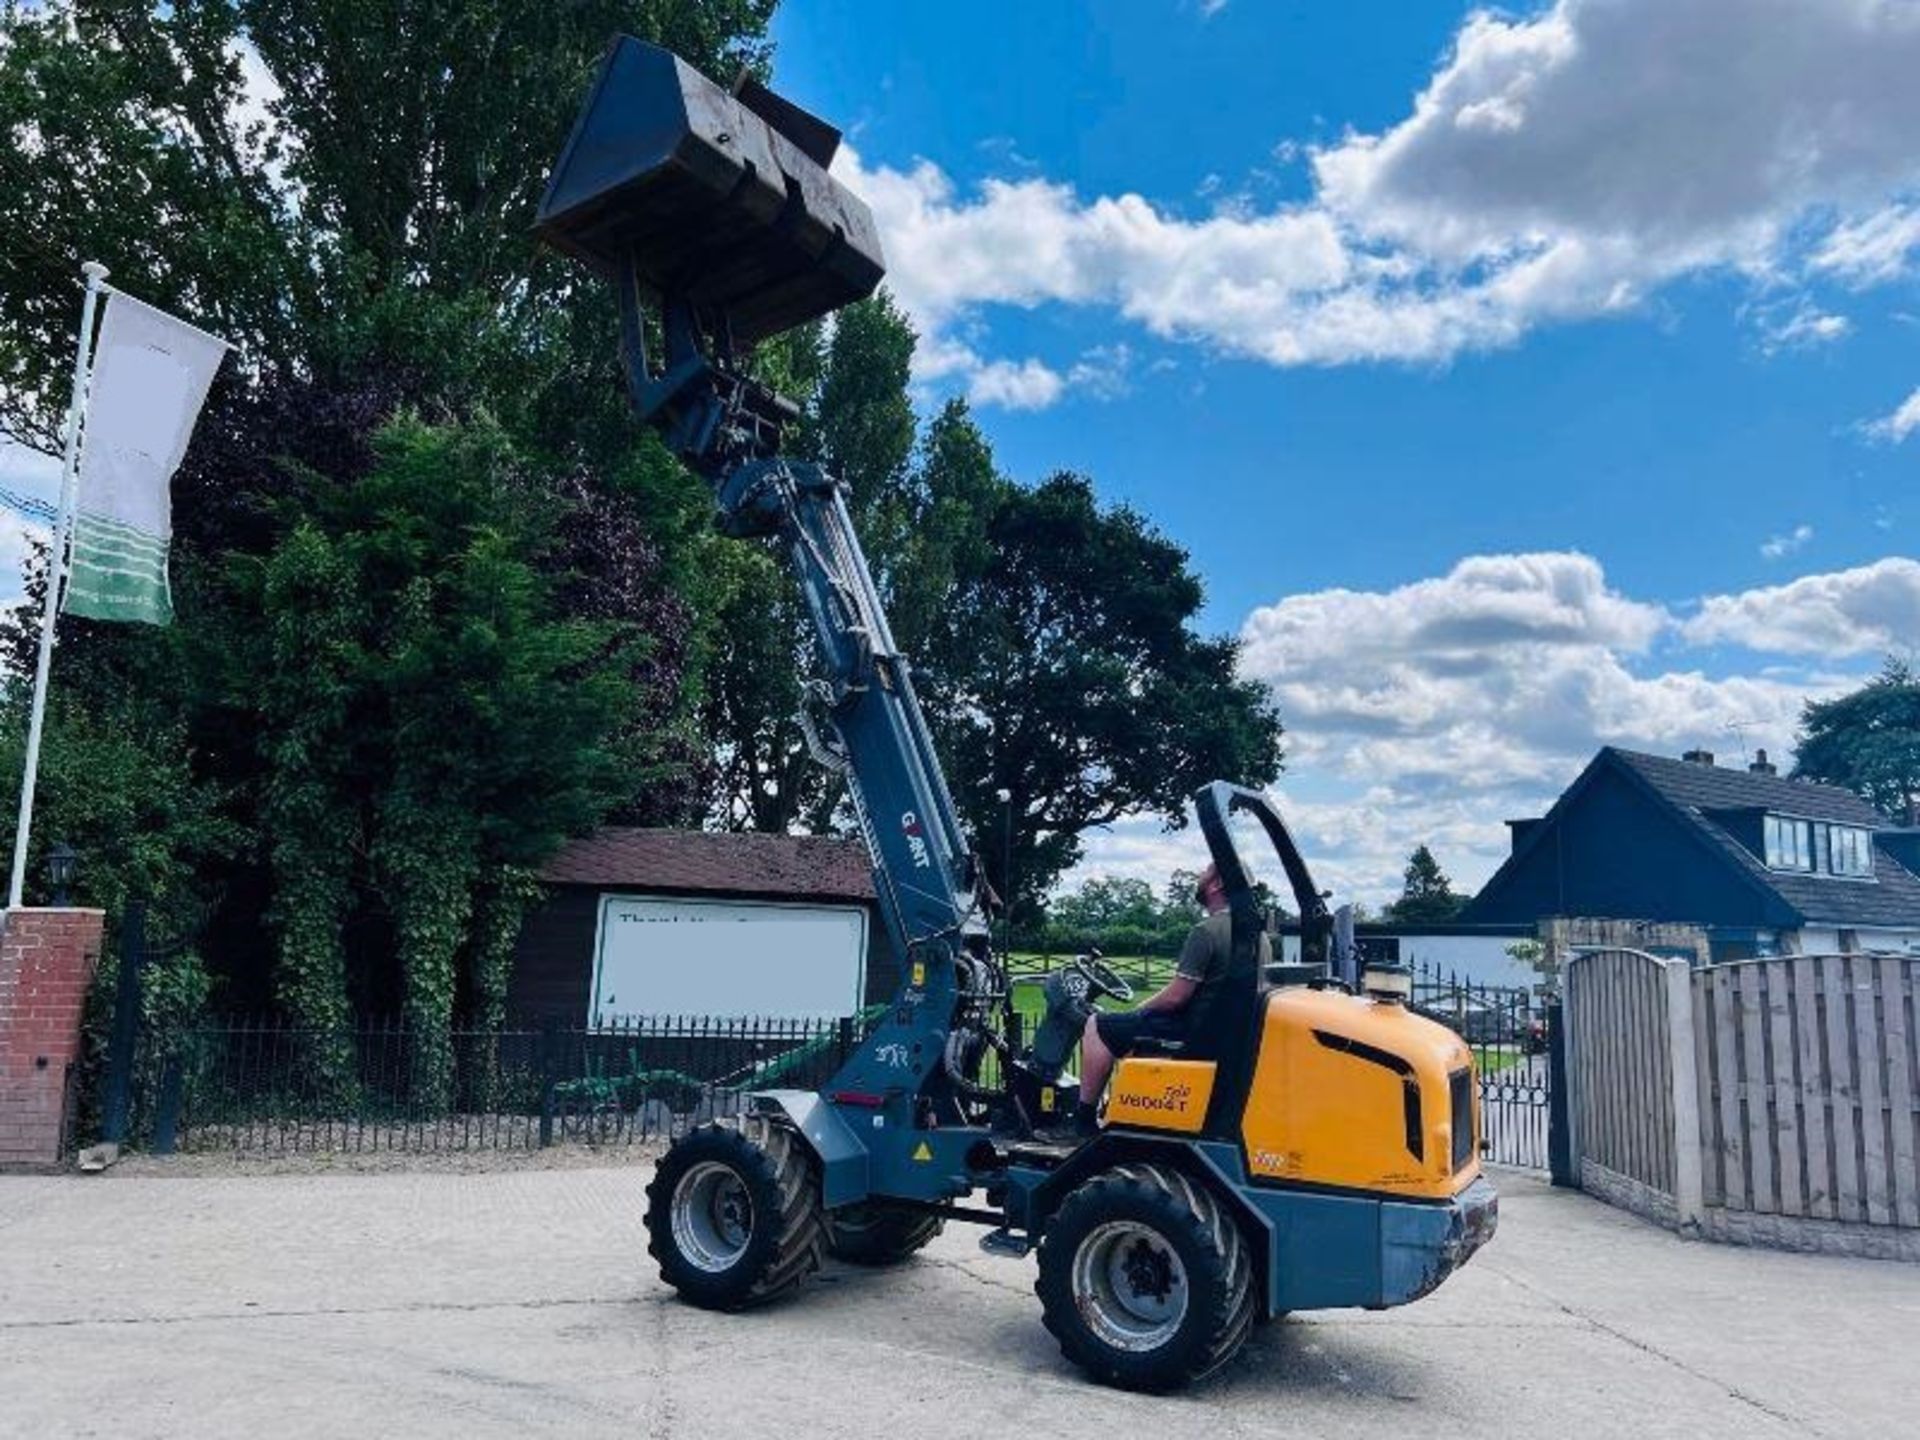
[
  {"x": 747, "y": 1196},
  {"x": 1133, "y": 1202},
  {"x": 878, "y": 1233}
]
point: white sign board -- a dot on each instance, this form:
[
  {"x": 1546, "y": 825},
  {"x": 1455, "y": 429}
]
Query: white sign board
[{"x": 658, "y": 956}]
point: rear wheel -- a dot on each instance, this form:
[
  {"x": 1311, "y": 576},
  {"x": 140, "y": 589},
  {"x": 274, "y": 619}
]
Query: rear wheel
[
  {"x": 877, "y": 1233},
  {"x": 1145, "y": 1279},
  {"x": 733, "y": 1214}
]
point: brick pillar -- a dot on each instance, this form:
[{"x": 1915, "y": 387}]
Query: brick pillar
[{"x": 46, "y": 962}]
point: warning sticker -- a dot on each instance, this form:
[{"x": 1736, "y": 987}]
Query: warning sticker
[{"x": 923, "y": 1151}]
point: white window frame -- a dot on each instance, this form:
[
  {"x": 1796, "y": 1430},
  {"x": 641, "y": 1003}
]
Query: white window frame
[
  {"x": 1782, "y": 855},
  {"x": 1850, "y": 852}
]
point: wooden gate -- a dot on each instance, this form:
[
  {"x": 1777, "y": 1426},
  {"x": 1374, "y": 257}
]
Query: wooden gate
[{"x": 1636, "y": 1132}]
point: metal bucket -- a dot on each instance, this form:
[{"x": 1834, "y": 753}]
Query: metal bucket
[{"x": 719, "y": 198}]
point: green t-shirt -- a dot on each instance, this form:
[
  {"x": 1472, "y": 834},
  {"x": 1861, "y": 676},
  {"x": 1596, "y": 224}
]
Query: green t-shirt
[{"x": 1209, "y": 948}]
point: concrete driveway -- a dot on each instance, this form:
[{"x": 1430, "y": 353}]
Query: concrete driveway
[{"x": 522, "y": 1304}]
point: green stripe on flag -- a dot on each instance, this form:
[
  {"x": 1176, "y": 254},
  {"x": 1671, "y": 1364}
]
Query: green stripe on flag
[{"x": 119, "y": 573}]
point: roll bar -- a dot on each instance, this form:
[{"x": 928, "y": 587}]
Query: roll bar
[{"x": 1213, "y": 803}]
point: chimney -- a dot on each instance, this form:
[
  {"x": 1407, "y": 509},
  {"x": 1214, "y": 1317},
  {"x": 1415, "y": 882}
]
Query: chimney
[
  {"x": 1698, "y": 757},
  {"x": 1761, "y": 765}
]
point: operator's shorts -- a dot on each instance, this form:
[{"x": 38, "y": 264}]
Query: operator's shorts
[{"x": 1121, "y": 1030}]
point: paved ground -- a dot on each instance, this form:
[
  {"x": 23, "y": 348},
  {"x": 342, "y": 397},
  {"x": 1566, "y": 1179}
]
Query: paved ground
[{"x": 520, "y": 1304}]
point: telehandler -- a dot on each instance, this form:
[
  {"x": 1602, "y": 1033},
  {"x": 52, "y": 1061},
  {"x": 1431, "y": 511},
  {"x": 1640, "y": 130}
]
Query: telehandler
[{"x": 1305, "y": 1146}]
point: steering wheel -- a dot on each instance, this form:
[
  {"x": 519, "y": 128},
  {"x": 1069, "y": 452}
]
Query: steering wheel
[{"x": 1100, "y": 977}]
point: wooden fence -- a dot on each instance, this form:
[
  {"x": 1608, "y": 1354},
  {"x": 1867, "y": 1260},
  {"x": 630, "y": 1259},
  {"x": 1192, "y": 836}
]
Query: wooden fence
[
  {"x": 1806, "y": 1067},
  {"x": 1769, "y": 1100}
]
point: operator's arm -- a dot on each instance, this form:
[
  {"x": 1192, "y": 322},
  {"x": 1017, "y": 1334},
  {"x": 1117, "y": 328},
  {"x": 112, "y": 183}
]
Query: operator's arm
[
  {"x": 1195, "y": 956},
  {"x": 1172, "y": 995}
]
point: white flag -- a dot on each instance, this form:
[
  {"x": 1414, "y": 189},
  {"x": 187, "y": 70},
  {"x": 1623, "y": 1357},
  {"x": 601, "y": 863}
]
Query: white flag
[{"x": 151, "y": 373}]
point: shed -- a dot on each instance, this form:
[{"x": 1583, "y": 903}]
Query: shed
[{"x": 652, "y": 922}]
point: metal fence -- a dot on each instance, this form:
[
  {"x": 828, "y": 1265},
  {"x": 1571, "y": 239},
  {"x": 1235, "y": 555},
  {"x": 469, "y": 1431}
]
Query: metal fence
[{"x": 261, "y": 1085}]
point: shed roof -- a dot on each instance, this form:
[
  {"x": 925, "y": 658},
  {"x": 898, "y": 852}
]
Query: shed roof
[{"x": 813, "y": 867}]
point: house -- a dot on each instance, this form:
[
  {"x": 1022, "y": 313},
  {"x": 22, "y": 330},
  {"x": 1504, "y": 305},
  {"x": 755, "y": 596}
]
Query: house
[
  {"x": 674, "y": 922},
  {"x": 1766, "y": 864}
]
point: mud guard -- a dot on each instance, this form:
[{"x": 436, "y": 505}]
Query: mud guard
[{"x": 843, "y": 1159}]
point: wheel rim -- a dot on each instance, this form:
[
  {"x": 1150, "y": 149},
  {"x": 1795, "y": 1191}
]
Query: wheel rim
[
  {"x": 1129, "y": 1285},
  {"x": 712, "y": 1216}
]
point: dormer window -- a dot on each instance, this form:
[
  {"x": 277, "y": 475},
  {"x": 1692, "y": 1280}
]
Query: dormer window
[
  {"x": 1849, "y": 851},
  {"x": 1818, "y": 847},
  {"x": 1789, "y": 843}
]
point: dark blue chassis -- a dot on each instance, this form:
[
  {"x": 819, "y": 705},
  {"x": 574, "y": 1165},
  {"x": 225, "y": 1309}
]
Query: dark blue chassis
[{"x": 1323, "y": 1248}]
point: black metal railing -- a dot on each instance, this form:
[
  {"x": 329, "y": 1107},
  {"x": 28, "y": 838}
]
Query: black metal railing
[
  {"x": 261, "y": 1085},
  {"x": 1505, "y": 1026}
]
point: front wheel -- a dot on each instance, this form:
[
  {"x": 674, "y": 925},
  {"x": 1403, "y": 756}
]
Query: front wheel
[
  {"x": 733, "y": 1214},
  {"x": 1145, "y": 1280}
]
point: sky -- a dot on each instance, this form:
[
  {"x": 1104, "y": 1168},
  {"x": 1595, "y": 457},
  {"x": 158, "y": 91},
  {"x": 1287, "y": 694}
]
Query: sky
[{"x": 1519, "y": 382}]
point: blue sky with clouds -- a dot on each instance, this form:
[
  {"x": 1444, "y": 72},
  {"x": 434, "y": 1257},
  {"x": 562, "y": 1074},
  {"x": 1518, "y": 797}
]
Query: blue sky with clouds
[{"x": 1519, "y": 382}]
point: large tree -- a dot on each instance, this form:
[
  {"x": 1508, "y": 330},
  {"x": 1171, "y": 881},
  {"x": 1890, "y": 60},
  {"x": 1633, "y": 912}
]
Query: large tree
[
  {"x": 1065, "y": 669},
  {"x": 326, "y": 182},
  {"x": 1868, "y": 740},
  {"x": 347, "y": 191}
]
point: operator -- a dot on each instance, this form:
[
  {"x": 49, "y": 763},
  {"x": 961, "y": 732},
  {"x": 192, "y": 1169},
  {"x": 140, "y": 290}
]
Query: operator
[{"x": 1165, "y": 1014}]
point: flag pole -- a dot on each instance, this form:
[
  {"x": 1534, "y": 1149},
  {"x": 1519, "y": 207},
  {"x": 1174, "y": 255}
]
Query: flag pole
[{"x": 96, "y": 274}]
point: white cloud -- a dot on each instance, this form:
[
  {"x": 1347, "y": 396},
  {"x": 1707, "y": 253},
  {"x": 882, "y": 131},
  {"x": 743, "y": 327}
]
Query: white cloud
[
  {"x": 1872, "y": 250},
  {"x": 1902, "y": 422},
  {"x": 1776, "y": 547},
  {"x": 1555, "y": 167},
  {"x": 1801, "y": 326},
  {"x": 1028, "y": 385},
  {"x": 1434, "y": 711},
  {"x": 1865, "y": 611}
]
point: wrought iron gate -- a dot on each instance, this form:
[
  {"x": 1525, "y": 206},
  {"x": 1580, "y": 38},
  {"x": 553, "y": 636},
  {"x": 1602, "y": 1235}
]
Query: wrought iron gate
[{"x": 1509, "y": 1030}]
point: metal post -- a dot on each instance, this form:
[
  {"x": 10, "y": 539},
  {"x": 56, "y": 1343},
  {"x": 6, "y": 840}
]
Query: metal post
[
  {"x": 549, "y": 1076},
  {"x": 126, "y": 1024},
  {"x": 96, "y": 274},
  {"x": 1559, "y": 1117}
]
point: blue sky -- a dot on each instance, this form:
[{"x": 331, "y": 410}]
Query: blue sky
[{"x": 1519, "y": 383}]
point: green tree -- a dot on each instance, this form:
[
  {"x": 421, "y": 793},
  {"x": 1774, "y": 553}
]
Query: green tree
[
  {"x": 1426, "y": 896},
  {"x": 377, "y": 211},
  {"x": 1065, "y": 669},
  {"x": 1868, "y": 741},
  {"x": 348, "y": 192},
  {"x": 433, "y": 728}
]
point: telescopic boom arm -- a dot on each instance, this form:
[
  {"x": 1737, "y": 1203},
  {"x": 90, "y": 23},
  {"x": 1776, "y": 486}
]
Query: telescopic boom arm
[{"x": 717, "y": 208}]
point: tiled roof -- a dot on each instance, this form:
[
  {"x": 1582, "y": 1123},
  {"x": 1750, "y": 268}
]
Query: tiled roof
[
  {"x": 1891, "y": 898},
  {"x": 1717, "y": 787},
  {"x": 803, "y": 866}
]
